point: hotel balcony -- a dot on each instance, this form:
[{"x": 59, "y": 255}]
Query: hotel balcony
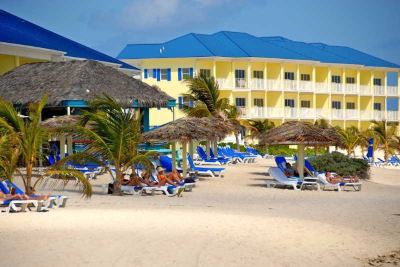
[
  {"x": 307, "y": 113},
  {"x": 322, "y": 88},
  {"x": 365, "y": 90},
  {"x": 338, "y": 114},
  {"x": 392, "y": 115},
  {"x": 290, "y": 85},
  {"x": 337, "y": 88},
  {"x": 351, "y": 89},
  {"x": 274, "y": 85},
  {"x": 306, "y": 86},
  {"x": 379, "y": 90},
  {"x": 290, "y": 113},
  {"x": 379, "y": 115},
  {"x": 351, "y": 114},
  {"x": 224, "y": 83},
  {"x": 392, "y": 91},
  {"x": 241, "y": 83},
  {"x": 257, "y": 84}
]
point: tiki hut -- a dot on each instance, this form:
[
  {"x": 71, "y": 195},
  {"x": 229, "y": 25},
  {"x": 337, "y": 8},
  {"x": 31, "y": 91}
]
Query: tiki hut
[
  {"x": 61, "y": 121},
  {"x": 184, "y": 130},
  {"x": 76, "y": 81},
  {"x": 301, "y": 134}
]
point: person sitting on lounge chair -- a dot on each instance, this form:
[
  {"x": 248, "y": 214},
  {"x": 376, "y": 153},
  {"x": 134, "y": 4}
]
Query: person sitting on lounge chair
[
  {"x": 164, "y": 179},
  {"x": 290, "y": 171},
  {"x": 133, "y": 181},
  {"x": 145, "y": 179},
  {"x": 334, "y": 179}
]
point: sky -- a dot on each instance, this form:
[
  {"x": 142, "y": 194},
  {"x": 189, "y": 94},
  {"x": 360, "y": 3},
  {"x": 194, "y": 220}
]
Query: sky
[{"x": 372, "y": 26}]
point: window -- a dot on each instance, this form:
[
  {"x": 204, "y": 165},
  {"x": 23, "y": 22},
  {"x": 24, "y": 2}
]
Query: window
[
  {"x": 240, "y": 102},
  {"x": 289, "y": 76},
  {"x": 305, "y": 103},
  {"x": 205, "y": 73},
  {"x": 336, "y": 79},
  {"x": 258, "y": 74},
  {"x": 350, "y": 105},
  {"x": 377, "y": 106},
  {"x": 350, "y": 80},
  {"x": 148, "y": 73},
  {"x": 184, "y": 101},
  {"x": 185, "y": 73},
  {"x": 258, "y": 102},
  {"x": 289, "y": 103},
  {"x": 336, "y": 105},
  {"x": 164, "y": 74},
  {"x": 305, "y": 77},
  {"x": 240, "y": 74},
  {"x": 377, "y": 81}
]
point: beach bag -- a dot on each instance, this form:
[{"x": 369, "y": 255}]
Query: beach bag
[{"x": 110, "y": 188}]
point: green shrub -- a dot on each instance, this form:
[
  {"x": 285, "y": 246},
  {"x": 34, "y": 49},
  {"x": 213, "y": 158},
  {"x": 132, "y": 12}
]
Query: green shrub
[{"x": 341, "y": 164}]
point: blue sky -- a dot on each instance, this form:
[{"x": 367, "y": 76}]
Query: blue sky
[{"x": 372, "y": 26}]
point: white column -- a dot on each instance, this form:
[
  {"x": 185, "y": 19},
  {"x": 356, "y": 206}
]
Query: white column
[
  {"x": 373, "y": 95},
  {"x": 265, "y": 75},
  {"x": 330, "y": 94},
  {"x": 344, "y": 97},
  {"x": 214, "y": 69},
  {"x": 173, "y": 150},
  {"x": 300, "y": 161},
  {"x": 385, "y": 105},
  {"x": 359, "y": 99},
  {"x": 282, "y": 75},
  {"x": 266, "y": 89},
  {"x": 298, "y": 92},
  {"x": 249, "y": 86},
  {"x": 233, "y": 74},
  {"x": 314, "y": 80}
]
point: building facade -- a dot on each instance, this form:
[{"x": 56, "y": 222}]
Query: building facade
[{"x": 274, "y": 78}]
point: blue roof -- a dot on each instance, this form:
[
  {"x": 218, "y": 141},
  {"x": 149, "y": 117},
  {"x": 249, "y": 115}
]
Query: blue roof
[
  {"x": 238, "y": 44},
  {"x": 16, "y": 30}
]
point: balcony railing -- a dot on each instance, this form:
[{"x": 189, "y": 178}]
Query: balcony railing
[
  {"x": 337, "y": 114},
  {"x": 351, "y": 114},
  {"x": 305, "y": 86},
  {"x": 289, "y": 85},
  {"x": 379, "y": 115},
  {"x": 240, "y": 83},
  {"x": 257, "y": 84},
  {"x": 351, "y": 89},
  {"x": 258, "y": 112},
  {"x": 274, "y": 112},
  {"x": 392, "y": 91},
  {"x": 365, "y": 115},
  {"x": 392, "y": 115},
  {"x": 242, "y": 111},
  {"x": 274, "y": 85},
  {"x": 307, "y": 113},
  {"x": 321, "y": 88},
  {"x": 224, "y": 83},
  {"x": 365, "y": 90},
  {"x": 337, "y": 88},
  {"x": 379, "y": 90},
  {"x": 290, "y": 112}
]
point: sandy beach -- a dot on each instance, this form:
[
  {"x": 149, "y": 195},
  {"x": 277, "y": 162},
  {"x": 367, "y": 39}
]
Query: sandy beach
[{"x": 233, "y": 221}]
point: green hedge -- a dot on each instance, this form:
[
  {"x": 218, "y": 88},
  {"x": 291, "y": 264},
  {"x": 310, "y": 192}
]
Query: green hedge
[{"x": 341, "y": 164}]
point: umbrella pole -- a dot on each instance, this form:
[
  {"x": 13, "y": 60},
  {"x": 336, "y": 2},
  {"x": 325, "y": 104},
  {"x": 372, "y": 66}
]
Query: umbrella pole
[
  {"x": 300, "y": 161},
  {"x": 208, "y": 149},
  {"x": 215, "y": 148},
  {"x": 191, "y": 148},
  {"x": 69, "y": 145},
  {"x": 173, "y": 150},
  {"x": 62, "y": 145},
  {"x": 184, "y": 160}
]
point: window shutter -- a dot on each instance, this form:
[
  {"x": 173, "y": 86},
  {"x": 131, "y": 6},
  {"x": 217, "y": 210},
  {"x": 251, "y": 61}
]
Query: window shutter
[
  {"x": 169, "y": 74},
  {"x": 154, "y": 73},
  {"x": 190, "y": 103},
  {"x": 191, "y": 72},
  {"x": 158, "y": 75},
  {"x": 180, "y": 102},
  {"x": 179, "y": 74},
  {"x": 145, "y": 73}
]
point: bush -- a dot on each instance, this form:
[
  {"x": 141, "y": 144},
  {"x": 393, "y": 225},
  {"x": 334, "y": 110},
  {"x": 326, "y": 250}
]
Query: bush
[{"x": 341, "y": 164}]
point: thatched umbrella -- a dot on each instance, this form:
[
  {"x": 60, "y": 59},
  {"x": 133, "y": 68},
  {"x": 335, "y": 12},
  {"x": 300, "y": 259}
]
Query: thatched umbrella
[
  {"x": 76, "y": 80},
  {"x": 301, "y": 134},
  {"x": 184, "y": 130},
  {"x": 61, "y": 121}
]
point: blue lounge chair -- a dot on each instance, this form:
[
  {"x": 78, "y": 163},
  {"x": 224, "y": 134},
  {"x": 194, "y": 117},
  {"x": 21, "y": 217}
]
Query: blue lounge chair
[
  {"x": 204, "y": 159},
  {"x": 254, "y": 152},
  {"x": 166, "y": 163},
  {"x": 211, "y": 171},
  {"x": 245, "y": 157},
  {"x": 52, "y": 201},
  {"x": 221, "y": 159}
]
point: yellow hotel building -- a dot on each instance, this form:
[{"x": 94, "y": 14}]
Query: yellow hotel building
[{"x": 274, "y": 78}]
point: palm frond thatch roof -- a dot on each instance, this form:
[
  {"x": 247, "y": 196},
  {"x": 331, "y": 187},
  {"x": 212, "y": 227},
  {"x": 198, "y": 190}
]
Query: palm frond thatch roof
[
  {"x": 186, "y": 129},
  {"x": 76, "y": 80},
  {"x": 297, "y": 132},
  {"x": 61, "y": 121}
]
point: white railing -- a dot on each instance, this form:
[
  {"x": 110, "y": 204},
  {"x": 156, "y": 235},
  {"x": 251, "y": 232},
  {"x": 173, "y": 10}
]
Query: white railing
[
  {"x": 392, "y": 91},
  {"x": 392, "y": 115},
  {"x": 307, "y": 113},
  {"x": 365, "y": 90},
  {"x": 224, "y": 83},
  {"x": 305, "y": 86},
  {"x": 321, "y": 88},
  {"x": 258, "y": 112},
  {"x": 290, "y": 112},
  {"x": 365, "y": 115},
  {"x": 351, "y": 114},
  {"x": 337, "y": 114},
  {"x": 274, "y": 112},
  {"x": 379, "y": 90},
  {"x": 379, "y": 115},
  {"x": 322, "y": 113},
  {"x": 274, "y": 85},
  {"x": 240, "y": 83},
  {"x": 289, "y": 85},
  {"x": 243, "y": 111},
  {"x": 351, "y": 89},
  {"x": 257, "y": 84},
  {"x": 337, "y": 88}
]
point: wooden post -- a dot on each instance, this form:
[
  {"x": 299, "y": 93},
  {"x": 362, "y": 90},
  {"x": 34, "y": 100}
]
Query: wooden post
[
  {"x": 208, "y": 149},
  {"x": 62, "y": 146},
  {"x": 215, "y": 149},
  {"x": 173, "y": 148},
  {"x": 184, "y": 159},
  {"x": 300, "y": 161},
  {"x": 191, "y": 148},
  {"x": 69, "y": 145}
]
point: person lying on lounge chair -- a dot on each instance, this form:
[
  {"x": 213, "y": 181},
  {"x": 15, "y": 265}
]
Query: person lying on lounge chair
[
  {"x": 4, "y": 197},
  {"x": 133, "y": 181},
  {"x": 164, "y": 179},
  {"x": 28, "y": 197},
  {"x": 145, "y": 179},
  {"x": 290, "y": 171},
  {"x": 334, "y": 179}
]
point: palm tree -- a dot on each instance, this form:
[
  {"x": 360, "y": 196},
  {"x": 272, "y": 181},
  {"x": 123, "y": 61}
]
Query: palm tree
[
  {"x": 258, "y": 128},
  {"x": 115, "y": 135},
  {"x": 233, "y": 114},
  {"x": 385, "y": 137},
  {"x": 23, "y": 140},
  {"x": 350, "y": 139},
  {"x": 323, "y": 124}
]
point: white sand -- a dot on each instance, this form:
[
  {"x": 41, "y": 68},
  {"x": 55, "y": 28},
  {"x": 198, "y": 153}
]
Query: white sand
[{"x": 233, "y": 221}]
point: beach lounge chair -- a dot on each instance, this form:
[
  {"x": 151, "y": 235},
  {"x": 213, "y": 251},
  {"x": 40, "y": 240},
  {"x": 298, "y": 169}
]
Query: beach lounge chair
[
  {"x": 223, "y": 155},
  {"x": 22, "y": 205},
  {"x": 53, "y": 200},
  {"x": 292, "y": 182},
  {"x": 338, "y": 186},
  {"x": 204, "y": 159},
  {"x": 221, "y": 159},
  {"x": 254, "y": 152},
  {"x": 245, "y": 158},
  {"x": 166, "y": 163},
  {"x": 205, "y": 170}
]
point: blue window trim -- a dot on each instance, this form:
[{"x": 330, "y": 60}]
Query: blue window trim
[
  {"x": 154, "y": 73},
  {"x": 168, "y": 74},
  {"x": 179, "y": 74},
  {"x": 191, "y": 73},
  {"x": 158, "y": 75},
  {"x": 145, "y": 73}
]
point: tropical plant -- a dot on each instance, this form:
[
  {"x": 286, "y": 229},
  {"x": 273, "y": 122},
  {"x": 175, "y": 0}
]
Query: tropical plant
[
  {"x": 385, "y": 137},
  {"x": 258, "y": 127},
  {"x": 350, "y": 139},
  {"x": 233, "y": 115},
  {"x": 115, "y": 135},
  {"x": 23, "y": 140}
]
